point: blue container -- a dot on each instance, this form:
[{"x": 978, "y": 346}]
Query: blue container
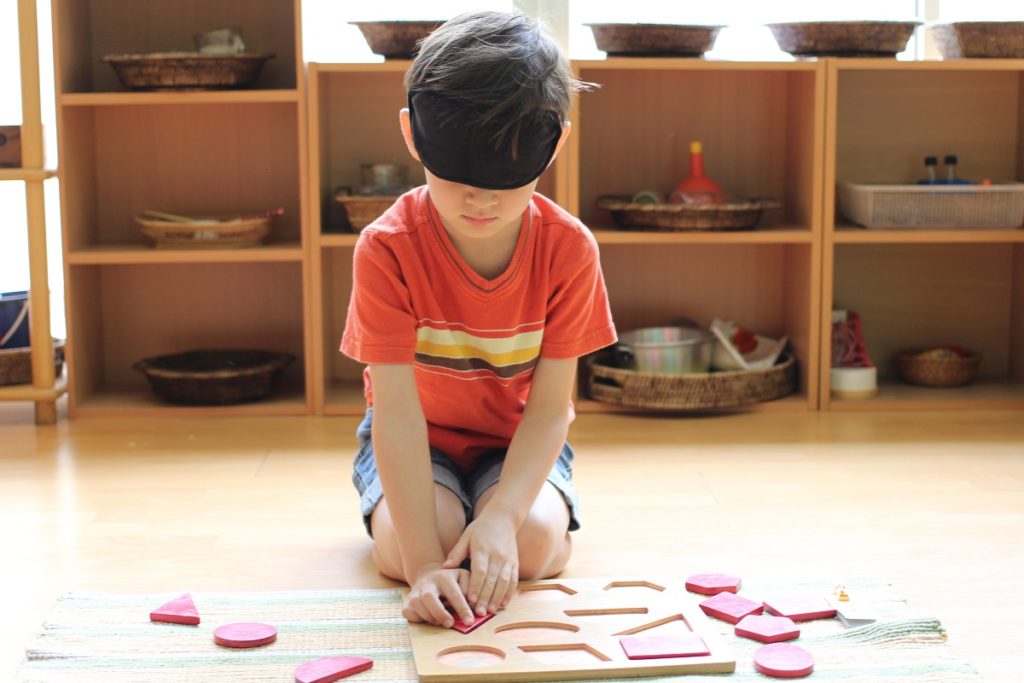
[{"x": 14, "y": 320}]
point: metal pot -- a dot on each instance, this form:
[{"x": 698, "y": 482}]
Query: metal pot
[{"x": 666, "y": 350}]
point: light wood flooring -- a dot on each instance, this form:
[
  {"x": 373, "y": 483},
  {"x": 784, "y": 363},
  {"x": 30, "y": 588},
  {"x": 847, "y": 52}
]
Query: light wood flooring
[{"x": 932, "y": 502}]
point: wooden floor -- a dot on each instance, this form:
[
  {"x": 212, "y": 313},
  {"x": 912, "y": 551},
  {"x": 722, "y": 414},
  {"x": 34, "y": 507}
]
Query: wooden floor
[{"x": 934, "y": 503}]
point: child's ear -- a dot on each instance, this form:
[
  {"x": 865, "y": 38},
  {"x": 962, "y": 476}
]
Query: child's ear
[
  {"x": 566, "y": 129},
  {"x": 406, "y": 123}
]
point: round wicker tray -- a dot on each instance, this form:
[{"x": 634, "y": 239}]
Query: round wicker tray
[
  {"x": 186, "y": 70},
  {"x": 843, "y": 38},
  {"x": 690, "y": 392},
  {"x": 654, "y": 40},
  {"x": 396, "y": 39},
  {"x": 213, "y": 377},
  {"x": 220, "y": 232},
  {"x": 929, "y": 372},
  {"x": 640, "y": 216},
  {"x": 16, "y": 364}
]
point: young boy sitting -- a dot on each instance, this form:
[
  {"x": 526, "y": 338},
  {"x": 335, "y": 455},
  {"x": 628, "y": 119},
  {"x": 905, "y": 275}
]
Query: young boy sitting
[{"x": 472, "y": 299}]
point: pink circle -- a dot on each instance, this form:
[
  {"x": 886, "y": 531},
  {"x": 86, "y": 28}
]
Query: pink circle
[
  {"x": 782, "y": 660},
  {"x": 244, "y": 635}
]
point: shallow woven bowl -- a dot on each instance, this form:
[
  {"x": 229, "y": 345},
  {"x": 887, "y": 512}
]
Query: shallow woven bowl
[
  {"x": 843, "y": 38},
  {"x": 929, "y": 372},
  {"x": 640, "y": 216},
  {"x": 654, "y": 40},
  {"x": 186, "y": 70},
  {"x": 396, "y": 39},
  {"x": 218, "y": 233},
  {"x": 361, "y": 210},
  {"x": 213, "y": 377},
  {"x": 980, "y": 39}
]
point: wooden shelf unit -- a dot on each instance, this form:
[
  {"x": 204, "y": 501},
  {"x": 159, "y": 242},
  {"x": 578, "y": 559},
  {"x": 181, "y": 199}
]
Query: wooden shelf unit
[
  {"x": 45, "y": 388},
  {"x": 184, "y": 152},
  {"x": 926, "y": 287}
]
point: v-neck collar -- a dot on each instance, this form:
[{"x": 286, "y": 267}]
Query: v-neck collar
[{"x": 476, "y": 282}]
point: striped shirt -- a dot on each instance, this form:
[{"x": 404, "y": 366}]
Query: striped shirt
[{"x": 473, "y": 342}]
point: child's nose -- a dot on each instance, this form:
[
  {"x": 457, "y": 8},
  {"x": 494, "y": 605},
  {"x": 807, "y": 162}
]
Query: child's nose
[{"x": 481, "y": 199}]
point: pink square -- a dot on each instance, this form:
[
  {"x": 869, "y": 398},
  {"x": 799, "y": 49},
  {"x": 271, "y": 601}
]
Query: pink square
[
  {"x": 730, "y": 607},
  {"x": 801, "y": 608}
]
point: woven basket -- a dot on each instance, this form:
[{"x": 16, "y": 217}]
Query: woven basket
[
  {"x": 689, "y": 392},
  {"x": 16, "y": 364},
  {"x": 929, "y": 372},
  {"x": 218, "y": 233},
  {"x": 213, "y": 377},
  {"x": 396, "y": 39},
  {"x": 186, "y": 70},
  {"x": 360, "y": 211},
  {"x": 640, "y": 216},
  {"x": 980, "y": 39},
  {"x": 654, "y": 40},
  {"x": 843, "y": 38}
]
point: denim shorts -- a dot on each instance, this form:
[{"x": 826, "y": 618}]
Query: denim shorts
[{"x": 468, "y": 487}]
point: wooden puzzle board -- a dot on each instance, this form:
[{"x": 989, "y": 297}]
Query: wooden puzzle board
[{"x": 565, "y": 629}]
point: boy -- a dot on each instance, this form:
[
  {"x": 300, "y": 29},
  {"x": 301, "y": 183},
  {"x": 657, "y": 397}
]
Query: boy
[{"x": 472, "y": 299}]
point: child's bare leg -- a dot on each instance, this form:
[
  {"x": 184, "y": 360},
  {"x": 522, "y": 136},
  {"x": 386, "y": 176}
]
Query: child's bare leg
[
  {"x": 451, "y": 522},
  {"x": 543, "y": 539}
]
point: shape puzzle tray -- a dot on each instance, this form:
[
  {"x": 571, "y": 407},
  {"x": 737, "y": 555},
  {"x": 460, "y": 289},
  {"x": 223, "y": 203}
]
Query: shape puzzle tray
[{"x": 573, "y": 628}]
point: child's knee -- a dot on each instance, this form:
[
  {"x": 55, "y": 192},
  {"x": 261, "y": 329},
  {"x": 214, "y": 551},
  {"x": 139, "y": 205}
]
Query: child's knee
[{"x": 544, "y": 545}]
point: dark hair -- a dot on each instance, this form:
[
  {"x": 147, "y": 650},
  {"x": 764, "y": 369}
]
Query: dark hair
[{"x": 503, "y": 66}]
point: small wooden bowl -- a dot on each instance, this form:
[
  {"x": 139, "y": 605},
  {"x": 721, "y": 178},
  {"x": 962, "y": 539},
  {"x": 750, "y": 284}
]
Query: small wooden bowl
[
  {"x": 931, "y": 372},
  {"x": 186, "y": 70},
  {"x": 396, "y": 39},
  {"x": 979, "y": 39},
  {"x": 654, "y": 40},
  {"x": 843, "y": 38}
]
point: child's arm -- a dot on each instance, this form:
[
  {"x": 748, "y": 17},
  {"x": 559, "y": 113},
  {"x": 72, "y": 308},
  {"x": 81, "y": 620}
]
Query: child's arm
[
  {"x": 401, "y": 451},
  {"x": 490, "y": 540}
]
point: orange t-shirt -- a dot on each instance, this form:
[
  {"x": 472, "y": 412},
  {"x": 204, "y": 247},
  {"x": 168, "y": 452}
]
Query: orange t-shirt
[{"x": 473, "y": 342}]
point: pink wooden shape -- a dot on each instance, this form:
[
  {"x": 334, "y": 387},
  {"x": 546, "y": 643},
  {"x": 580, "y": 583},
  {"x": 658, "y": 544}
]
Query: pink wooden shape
[
  {"x": 712, "y": 584},
  {"x": 244, "y": 634},
  {"x": 329, "y": 669},
  {"x": 767, "y": 629},
  {"x": 477, "y": 622},
  {"x": 801, "y": 608},
  {"x": 729, "y": 607},
  {"x": 657, "y": 647},
  {"x": 180, "y": 610},
  {"x": 782, "y": 660}
]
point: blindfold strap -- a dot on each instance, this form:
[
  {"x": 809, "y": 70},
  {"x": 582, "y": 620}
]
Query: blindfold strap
[{"x": 456, "y": 148}]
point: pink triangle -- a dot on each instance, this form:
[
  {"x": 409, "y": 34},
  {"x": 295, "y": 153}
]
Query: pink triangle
[
  {"x": 328, "y": 669},
  {"x": 181, "y": 610}
]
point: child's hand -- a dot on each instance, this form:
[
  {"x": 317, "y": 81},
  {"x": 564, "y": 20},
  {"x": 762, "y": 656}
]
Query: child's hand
[
  {"x": 490, "y": 543},
  {"x": 431, "y": 583}
]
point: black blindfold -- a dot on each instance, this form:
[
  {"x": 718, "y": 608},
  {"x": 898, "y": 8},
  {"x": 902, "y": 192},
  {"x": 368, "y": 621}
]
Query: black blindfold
[{"x": 455, "y": 147}]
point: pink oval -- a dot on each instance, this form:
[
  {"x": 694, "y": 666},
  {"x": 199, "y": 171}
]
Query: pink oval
[
  {"x": 782, "y": 660},
  {"x": 244, "y": 634}
]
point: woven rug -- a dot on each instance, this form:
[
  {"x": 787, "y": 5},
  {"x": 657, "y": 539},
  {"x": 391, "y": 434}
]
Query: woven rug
[{"x": 109, "y": 638}]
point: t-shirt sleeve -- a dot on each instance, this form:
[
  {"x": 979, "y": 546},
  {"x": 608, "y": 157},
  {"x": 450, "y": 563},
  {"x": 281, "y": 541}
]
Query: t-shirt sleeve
[
  {"x": 579, "y": 320},
  {"x": 380, "y": 326}
]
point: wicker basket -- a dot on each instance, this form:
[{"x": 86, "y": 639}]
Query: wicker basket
[
  {"x": 843, "y": 38},
  {"x": 654, "y": 40},
  {"x": 396, "y": 39},
  {"x": 186, "y": 70},
  {"x": 980, "y": 39},
  {"x": 642, "y": 216},
  {"x": 213, "y": 377},
  {"x": 361, "y": 210},
  {"x": 689, "y": 392},
  {"x": 219, "y": 232},
  {"x": 931, "y": 372},
  {"x": 16, "y": 364}
]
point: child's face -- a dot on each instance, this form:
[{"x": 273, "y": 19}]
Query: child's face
[{"x": 477, "y": 213}]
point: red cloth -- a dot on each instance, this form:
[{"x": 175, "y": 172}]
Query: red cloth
[{"x": 473, "y": 342}]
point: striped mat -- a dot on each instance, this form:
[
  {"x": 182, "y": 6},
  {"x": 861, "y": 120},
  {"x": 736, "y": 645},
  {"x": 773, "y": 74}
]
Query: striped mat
[{"x": 108, "y": 638}]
